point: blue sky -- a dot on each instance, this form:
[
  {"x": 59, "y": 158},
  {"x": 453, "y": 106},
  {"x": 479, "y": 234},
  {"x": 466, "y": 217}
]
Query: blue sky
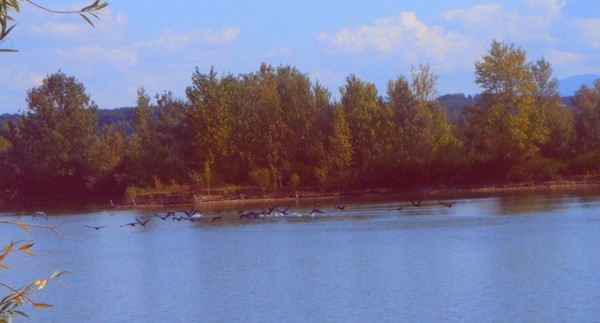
[{"x": 158, "y": 45}]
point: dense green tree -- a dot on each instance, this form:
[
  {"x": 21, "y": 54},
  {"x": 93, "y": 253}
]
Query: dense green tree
[
  {"x": 172, "y": 138},
  {"x": 142, "y": 148},
  {"x": 208, "y": 122},
  {"x": 558, "y": 120},
  {"x": 337, "y": 160},
  {"x": 366, "y": 120},
  {"x": 506, "y": 126},
  {"x": 422, "y": 134},
  {"x": 586, "y": 105},
  {"x": 159, "y": 148},
  {"x": 276, "y": 130},
  {"x": 57, "y": 135},
  {"x": 304, "y": 118}
]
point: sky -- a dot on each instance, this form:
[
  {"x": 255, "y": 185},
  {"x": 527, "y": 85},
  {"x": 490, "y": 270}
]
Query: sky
[{"x": 158, "y": 44}]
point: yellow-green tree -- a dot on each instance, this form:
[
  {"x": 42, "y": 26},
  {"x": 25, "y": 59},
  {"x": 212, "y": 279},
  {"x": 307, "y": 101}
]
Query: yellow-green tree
[
  {"x": 55, "y": 139},
  {"x": 208, "y": 122},
  {"x": 553, "y": 112},
  {"x": 586, "y": 105},
  {"x": 422, "y": 135},
  {"x": 142, "y": 155},
  {"x": 337, "y": 160},
  {"x": 367, "y": 122},
  {"x": 506, "y": 126}
]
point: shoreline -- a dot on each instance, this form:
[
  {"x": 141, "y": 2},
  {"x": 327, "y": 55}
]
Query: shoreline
[
  {"x": 574, "y": 182},
  {"x": 218, "y": 198}
]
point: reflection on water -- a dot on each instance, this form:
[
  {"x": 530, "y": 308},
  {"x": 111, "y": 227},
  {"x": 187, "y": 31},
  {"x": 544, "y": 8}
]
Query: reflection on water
[{"x": 371, "y": 262}]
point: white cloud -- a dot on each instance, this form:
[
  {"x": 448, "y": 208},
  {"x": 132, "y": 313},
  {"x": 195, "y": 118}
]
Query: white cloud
[
  {"x": 119, "y": 56},
  {"x": 19, "y": 78},
  {"x": 477, "y": 15},
  {"x": 56, "y": 29},
  {"x": 560, "y": 58},
  {"x": 279, "y": 52},
  {"x": 590, "y": 30},
  {"x": 111, "y": 26},
  {"x": 403, "y": 34},
  {"x": 551, "y": 5},
  {"x": 494, "y": 21},
  {"x": 226, "y": 36},
  {"x": 175, "y": 41}
]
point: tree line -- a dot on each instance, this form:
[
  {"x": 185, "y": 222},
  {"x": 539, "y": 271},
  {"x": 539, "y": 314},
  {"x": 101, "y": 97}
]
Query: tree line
[{"x": 277, "y": 130}]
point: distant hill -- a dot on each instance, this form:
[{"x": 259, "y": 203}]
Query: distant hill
[
  {"x": 6, "y": 118},
  {"x": 120, "y": 119},
  {"x": 568, "y": 86},
  {"x": 454, "y": 105}
]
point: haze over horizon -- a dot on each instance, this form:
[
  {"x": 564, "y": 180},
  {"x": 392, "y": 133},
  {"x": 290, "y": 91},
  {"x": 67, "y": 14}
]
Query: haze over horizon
[{"x": 158, "y": 47}]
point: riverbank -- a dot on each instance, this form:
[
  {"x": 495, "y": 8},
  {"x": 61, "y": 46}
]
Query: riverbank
[{"x": 223, "y": 196}]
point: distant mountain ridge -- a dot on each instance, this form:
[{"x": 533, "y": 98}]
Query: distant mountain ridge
[{"x": 568, "y": 86}]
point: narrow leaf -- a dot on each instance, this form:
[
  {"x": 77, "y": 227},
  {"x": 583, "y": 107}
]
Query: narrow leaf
[
  {"x": 43, "y": 284},
  {"x": 3, "y": 309},
  {"x": 87, "y": 20},
  {"x": 8, "y": 249},
  {"x": 25, "y": 249},
  {"x": 9, "y": 29},
  {"x": 23, "y": 227},
  {"x": 41, "y": 305},
  {"x": 27, "y": 246},
  {"x": 20, "y": 313}
]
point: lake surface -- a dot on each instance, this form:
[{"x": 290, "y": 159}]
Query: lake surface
[{"x": 516, "y": 257}]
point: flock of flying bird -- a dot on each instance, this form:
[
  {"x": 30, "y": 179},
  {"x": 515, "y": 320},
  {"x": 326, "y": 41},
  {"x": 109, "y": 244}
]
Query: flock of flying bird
[{"x": 195, "y": 215}]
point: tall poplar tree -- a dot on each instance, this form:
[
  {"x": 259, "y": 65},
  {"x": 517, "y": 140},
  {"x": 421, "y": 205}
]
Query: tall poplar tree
[
  {"x": 506, "y": 126},
  {"x": 57, "y": 135}
]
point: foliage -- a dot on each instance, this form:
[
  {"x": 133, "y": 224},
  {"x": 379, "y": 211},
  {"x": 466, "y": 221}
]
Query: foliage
[
  {"x": 555, "y": 117},
  {"x": 58, "y": 140},
  {"x": 506, "y": 126},
  {"x": 537, "y": 169},
  {"x": 366, "y": 120},
  {"x": 275, "y": 129},
  {"x": 7, "y": 7},
  {"x": 586, "y": 163},
  {"x": 586, "y": 112},
  {"x": 261, "y": 177}
]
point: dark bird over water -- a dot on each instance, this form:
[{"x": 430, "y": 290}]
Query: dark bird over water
[
  {"x": 178, "y": 218},
  {"x": 448, "y": 204},
  {"x": 250, "y": 215},
  {"x": 95, "y": 228},
  {"x": 417, "y": 204},
  {"x": 315, "y": 211},
  {"x": 340, "y": 207},
  {"x": 165, "y": 216},
  {"x": 142, "y": 223},
  {"x": 284, "y": 211},
  {"x": 192, "y": 212},
  {"x": 269, "y": 211},
  {"x": 131, "y": 224}
]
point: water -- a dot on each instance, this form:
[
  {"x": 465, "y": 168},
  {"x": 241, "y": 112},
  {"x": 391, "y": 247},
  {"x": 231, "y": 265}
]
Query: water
[{"x": 515, "y": 257}]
